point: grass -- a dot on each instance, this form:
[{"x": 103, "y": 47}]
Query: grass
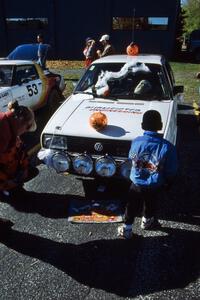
[
  {"x": 65, "y": 64},
  {"x": 185, "y": 74},
  {"x": 69, "y": 79}
]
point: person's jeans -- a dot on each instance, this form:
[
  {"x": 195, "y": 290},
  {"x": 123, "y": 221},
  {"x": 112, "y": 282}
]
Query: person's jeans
[{"x": 140, "y": 200}]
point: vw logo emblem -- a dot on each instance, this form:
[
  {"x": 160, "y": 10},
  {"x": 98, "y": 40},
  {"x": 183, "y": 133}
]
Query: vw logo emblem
[{"x": 98, "y": 147}]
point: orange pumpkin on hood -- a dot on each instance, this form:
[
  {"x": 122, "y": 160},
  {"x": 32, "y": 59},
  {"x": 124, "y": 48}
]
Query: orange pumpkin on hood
[{"x": 98, "y": 120}]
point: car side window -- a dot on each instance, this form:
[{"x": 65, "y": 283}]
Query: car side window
[
  {"x": 25, "y": 74},
  {"x": 6, "y": 75}
]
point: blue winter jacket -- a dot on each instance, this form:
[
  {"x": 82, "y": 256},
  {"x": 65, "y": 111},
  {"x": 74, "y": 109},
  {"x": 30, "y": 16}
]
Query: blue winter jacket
[{"x": 154, "y": 160}]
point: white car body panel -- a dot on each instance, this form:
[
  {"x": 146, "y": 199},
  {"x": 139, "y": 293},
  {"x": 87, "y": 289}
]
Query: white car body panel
[
  {"x": 27, "y": 94},
  {"x": 5, "y": 97},
  {"x": 124, "y": 117}
]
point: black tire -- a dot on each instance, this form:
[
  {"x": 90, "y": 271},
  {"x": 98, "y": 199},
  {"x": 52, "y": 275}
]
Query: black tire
[{"x": 53, "y": 101}]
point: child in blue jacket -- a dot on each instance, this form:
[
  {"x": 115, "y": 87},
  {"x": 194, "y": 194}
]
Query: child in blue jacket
[{"x": 154, "y": 165}]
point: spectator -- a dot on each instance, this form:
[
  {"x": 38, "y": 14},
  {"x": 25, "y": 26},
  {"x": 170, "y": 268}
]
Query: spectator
[
  {"x": 154, "y": 165},
  {"x": 14, "y": 163},
  {"x": 89, "y": 51},
  {"x": 108, "y": 49},
  {"x": 42, "y": 51}
]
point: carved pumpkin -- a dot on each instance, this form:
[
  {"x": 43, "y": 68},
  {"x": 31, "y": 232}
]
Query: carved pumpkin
[
  {"x": 98, "y": 120},
  {"x": 132, "y": 49}
]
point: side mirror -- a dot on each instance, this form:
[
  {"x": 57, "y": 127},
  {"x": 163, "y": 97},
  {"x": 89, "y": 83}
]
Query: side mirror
[
  {"x": 178, "y": 89},
  {"x": 25, "y": 80},
  {"x": 74, "y": 82}
]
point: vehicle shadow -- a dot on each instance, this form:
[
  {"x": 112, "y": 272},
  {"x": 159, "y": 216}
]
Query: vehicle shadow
[
  {"x": 52, "y": 205},
  {"x": 48, "y": 205},
  {"x": 126, "y": 268}
]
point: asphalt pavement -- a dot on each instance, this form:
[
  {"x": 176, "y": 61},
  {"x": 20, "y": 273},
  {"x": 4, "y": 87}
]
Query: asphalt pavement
[{"x": 44, "y": 256}]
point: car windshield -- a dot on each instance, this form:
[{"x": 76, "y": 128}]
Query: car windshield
[
  {"x": 6, "y": 73},
  {"x": 124, "y": 81}
]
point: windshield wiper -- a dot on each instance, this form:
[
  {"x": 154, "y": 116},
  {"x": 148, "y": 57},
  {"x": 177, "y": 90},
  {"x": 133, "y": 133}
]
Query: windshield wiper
[
  {"x": 96, "y": 95},
  {"x": 109, "y": 98},
  {"x": 93, "y": 92},
  {"x": 86, "y": 93}
]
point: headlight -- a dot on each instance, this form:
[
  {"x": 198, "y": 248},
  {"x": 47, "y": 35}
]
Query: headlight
[
  {"x": 83, "y": 164},
  {"x": 105, "y": 166},
  {"x": 125, "y": 168},
  {"x": 54, "y": 141},
  {"x": 60, "y": 162}
]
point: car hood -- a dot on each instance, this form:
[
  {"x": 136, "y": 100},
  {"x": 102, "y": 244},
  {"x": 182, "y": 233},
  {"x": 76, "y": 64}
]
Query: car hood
[{"x": 124, "y": 117}]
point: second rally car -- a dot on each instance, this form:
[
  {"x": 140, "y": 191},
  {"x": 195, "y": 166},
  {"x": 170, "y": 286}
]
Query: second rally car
[{"x": 25, "y": 81}]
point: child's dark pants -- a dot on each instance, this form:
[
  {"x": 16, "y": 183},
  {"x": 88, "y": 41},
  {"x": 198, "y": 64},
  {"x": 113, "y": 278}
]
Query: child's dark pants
[{"x": 141, "y": 199}]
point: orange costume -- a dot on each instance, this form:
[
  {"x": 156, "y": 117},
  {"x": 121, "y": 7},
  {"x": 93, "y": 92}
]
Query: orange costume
[{"x": 13, "y": 159}]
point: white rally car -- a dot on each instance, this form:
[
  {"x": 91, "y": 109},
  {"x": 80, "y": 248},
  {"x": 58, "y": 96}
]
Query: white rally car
[
  {"x": 123, "y": 88},
  {"x": 26, "y": 82}
]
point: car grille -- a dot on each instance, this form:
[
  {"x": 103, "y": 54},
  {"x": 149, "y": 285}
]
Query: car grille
[{"x": 110, "y": 147}]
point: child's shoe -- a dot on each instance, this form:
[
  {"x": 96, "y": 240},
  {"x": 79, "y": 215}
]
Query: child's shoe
[
  {"x": 149, "y": 223},
  {"x": 125, "y": 231}
]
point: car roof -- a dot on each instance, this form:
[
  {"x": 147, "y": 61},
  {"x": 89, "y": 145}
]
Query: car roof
[
  {"x": 143, "y": 58},
  {"x": 15, "y": 62},
  {"x": 28, "y": 51}
]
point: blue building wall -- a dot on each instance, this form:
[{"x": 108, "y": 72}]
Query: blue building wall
[{"x": 70, "y": 22}]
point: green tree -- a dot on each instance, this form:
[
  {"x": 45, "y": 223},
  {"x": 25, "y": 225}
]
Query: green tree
[
  {"x": 179, "y": 31},
  {"x": 192, "y": 14}
]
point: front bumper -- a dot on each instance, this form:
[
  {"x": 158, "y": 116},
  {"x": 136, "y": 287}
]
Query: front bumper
[{"x": 85, "y": 164}]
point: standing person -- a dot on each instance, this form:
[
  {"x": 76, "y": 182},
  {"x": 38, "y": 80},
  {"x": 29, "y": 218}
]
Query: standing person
[
  {"x": 154, "y": 165},
  {"x": 108, "y": 48},
  {"x": 42, "y": 51},
  {"x": 14, "y": 163},
  {"x": 89, "y": 51}
]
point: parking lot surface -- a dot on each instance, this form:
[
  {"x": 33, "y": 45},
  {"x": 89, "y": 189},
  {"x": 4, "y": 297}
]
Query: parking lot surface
[{"x": 44, "y": 256}]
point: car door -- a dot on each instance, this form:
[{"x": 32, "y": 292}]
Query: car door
[{"x": 27, "y": 86}]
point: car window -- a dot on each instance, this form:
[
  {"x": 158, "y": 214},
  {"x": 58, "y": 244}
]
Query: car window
[
  {"x": 25, "y": 73},
  {"x": 145, "y": 81},
  {"x": 91, "y": 76},
  {"x": 6, "y": 73}
]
